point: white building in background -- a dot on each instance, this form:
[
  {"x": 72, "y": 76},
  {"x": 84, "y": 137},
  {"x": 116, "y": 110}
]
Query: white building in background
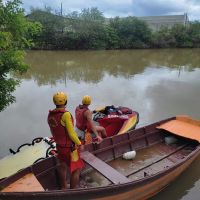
[{"x": 156, "y": 22}]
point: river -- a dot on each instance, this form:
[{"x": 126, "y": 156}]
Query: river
[{"x": 156, "y": 83}]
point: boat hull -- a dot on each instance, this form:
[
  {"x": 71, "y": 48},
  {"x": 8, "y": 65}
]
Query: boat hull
[{"x": 137, "y": 191}]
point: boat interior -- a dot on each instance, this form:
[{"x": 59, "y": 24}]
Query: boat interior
[{"x": 156, "y": 151}]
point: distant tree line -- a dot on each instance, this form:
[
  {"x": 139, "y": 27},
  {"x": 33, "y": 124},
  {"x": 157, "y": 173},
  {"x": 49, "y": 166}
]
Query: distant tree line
[{"x": 89, "y": 29}]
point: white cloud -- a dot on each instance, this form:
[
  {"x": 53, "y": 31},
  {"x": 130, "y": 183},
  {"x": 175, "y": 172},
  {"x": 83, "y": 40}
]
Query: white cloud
[
  {"x": 112, "y": 8},
  {"x": 163, "y": 7}
]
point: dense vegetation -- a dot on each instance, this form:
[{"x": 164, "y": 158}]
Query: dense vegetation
[
  {"x": 89, "y": 29},
  {"x": 16, "y": 33}
]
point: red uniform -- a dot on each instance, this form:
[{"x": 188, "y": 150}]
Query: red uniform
[
  {"x": 81, "y": 121},
  {"x": 64, "y": 143}
]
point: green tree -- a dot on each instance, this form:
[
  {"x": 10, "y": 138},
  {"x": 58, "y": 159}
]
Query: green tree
[
  {"x": 15, "y": 34},
  {"x": 193, "y": 31},
  {"x": 133, "y": 33},
  {"x": 179, "y": 33},
  {"x": 112, "y": 39},
  {"x": 52, "y": 28},
  {"x": 163, "y": 38},
  {"x": 91, "y": 14},
  {"x": 77, "y": 30},
  {"x": 91, "y": 29}
]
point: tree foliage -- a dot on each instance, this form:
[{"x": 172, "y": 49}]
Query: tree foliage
[
  {"x": 179, "y": 36},
  {"x": 15, "y": 34},
  {"x": 132, "y": 33},
  {"x": 52, "y": 27},
  {"x": 89, "y": 29}
]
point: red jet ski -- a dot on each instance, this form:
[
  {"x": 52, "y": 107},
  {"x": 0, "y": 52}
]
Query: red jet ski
[{"x": 116, "y": 120}]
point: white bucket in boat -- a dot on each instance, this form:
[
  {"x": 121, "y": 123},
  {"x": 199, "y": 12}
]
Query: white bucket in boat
[
  {"x": 129, "y": 155},
  {"x": 170, "y": 140}
]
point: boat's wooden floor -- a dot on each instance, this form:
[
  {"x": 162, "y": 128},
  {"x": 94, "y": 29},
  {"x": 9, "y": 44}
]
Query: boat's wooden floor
[
  {"x": 147, "y": 162},
  {"x": 106, "y": 170}
]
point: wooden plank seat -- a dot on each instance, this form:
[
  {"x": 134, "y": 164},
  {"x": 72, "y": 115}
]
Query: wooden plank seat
[
  {"x": 27, "y": 183},
  {"x": 107, "y": 171}
]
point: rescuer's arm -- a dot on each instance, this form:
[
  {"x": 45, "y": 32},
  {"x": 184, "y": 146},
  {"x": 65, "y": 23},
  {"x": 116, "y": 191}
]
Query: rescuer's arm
[
  {"x": 67, "y": 122},
  {"x": 88, "y": 115}
]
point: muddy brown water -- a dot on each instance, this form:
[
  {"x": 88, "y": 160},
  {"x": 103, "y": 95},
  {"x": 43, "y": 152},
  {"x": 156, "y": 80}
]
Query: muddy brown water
[{"x": 156, "y": 83}]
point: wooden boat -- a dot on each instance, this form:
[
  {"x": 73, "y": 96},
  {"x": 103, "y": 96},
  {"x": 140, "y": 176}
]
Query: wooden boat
[
  {"x": 164, "y": 150},
  {"x": 116, "y": 120}
]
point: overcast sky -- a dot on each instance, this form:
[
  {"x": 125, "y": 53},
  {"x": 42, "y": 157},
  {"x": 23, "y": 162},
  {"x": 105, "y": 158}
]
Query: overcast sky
[{"x": 112, "y": 8}]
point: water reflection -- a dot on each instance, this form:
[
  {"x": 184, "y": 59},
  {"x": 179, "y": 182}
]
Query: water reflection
[
  {"x": 156, "y": 83},
  {"x": 47, "y": 67}
]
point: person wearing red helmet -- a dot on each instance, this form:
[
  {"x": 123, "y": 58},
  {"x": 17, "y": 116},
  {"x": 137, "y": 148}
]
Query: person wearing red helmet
[{"x": 61, "y": 124}]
